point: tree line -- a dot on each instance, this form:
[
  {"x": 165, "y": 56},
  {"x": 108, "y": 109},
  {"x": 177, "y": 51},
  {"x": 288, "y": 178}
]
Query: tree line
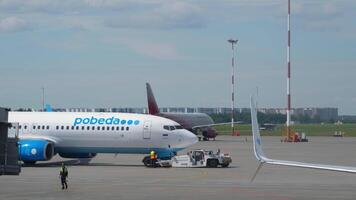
[{"x": 245, "y": 117}]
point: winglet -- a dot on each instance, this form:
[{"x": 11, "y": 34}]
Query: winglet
[
  {"x": 152, "y": 105},
  {"x": 257, "y": 142}
]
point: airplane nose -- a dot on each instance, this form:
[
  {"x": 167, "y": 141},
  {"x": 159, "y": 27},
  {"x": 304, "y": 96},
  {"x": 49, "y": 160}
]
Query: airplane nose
[{"x": 190, "y": 138}]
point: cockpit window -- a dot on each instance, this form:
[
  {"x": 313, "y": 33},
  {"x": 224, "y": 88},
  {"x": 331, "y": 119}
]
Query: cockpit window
[
  {"x": 178, "y": 127},
  {"x": 172, "y": 128}
]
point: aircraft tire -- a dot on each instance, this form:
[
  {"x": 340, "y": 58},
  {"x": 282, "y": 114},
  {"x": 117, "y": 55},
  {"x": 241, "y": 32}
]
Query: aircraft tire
[
  {"x": 147, "y": 161},
  {"x": 225, "y": 165}
]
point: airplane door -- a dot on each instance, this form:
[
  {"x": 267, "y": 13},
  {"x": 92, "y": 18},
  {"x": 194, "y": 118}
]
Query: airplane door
[
  {"x": 24, "y": 129},
  {"x": 147, "y": 130}
]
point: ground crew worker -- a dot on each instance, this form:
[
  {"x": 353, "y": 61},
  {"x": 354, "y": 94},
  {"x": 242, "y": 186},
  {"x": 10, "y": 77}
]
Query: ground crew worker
[
  {"x": 153, "y": 158},
  {"x": 64, "y": 174}
]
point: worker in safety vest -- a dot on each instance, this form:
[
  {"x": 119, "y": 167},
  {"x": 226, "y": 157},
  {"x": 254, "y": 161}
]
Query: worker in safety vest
[
  {"x": 153, "y": 157},
  {"x": 64, "y": 174}
]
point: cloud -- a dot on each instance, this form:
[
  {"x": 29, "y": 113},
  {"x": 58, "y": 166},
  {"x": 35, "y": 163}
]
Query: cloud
[
  {"x": 156, "y": 50},
  {"x": 12, "y": 24},
  {"x": 165, "y": 15},
  {"x": 133, "y": 14},
  {"x": 319, "y": 16}
]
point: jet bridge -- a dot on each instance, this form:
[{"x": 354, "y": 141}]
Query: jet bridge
[{"x": 9, "y": 160}]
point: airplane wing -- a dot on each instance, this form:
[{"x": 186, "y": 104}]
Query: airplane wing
[
  {"x": 262, "y": 158},
  {"x": 216, "y": 124}
]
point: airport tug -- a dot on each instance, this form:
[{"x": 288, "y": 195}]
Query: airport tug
[{"x": 198, "y": 158}]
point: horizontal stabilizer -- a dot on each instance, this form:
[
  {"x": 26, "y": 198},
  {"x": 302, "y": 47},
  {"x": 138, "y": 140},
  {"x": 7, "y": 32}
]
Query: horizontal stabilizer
[{"x": 216, "y": 124}]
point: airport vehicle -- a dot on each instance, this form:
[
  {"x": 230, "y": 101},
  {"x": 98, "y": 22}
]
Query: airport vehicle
[
  {"x": 267, "y": 127},
  {"x": 202, "y": 158},
  {"x": 83, "y": 135},
  {"x": 195, "y": 159},
  {"x": 260, "y": 156},
  {"x": 194, "y": 122}
]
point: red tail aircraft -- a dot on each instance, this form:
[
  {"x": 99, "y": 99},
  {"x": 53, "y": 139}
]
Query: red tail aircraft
[{"x": 194, "y": 122}]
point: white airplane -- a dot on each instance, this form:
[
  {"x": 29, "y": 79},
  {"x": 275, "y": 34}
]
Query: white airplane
[
  {"x": 260, "y": 156},
  {"x": 83, "y": 135}
]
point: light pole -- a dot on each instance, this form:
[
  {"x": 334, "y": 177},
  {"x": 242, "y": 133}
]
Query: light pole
[
  {"x": 288, "y": 76},
  {"x": 43, "y": 99},
  {"x": 233, "y": 42}
]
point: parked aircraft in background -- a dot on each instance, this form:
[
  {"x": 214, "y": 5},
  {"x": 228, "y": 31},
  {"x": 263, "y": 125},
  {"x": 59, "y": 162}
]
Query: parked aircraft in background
[
  {"x": 83, "y": 135},
  {"x": 194, "y": 122}
]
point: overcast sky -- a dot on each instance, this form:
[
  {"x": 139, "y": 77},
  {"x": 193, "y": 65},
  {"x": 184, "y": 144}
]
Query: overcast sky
[{"x": 100, "y": 53}]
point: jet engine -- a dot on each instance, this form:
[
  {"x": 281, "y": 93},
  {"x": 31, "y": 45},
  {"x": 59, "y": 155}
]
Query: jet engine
[{"x": 31, "y": 151}]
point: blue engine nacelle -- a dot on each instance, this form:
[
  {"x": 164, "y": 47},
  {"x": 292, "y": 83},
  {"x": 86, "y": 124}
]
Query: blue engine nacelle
[
  {"x": 35, "y": 150},
  {"x": 77, "y": 155}
]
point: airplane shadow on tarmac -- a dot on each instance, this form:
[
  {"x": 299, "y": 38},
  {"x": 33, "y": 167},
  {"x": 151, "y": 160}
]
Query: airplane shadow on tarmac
[{"x": 79, "y": 163}]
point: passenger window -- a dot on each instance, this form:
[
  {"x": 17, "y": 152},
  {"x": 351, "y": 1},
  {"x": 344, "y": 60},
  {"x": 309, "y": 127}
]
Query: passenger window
[
  {"x": 47, "y": 127},
  {"x": 166, "y": 127},
  {"x": 20, "y": 127},
  {"x": 107, "y": 128},
  {"x": 72, "y": 127},
  {"x": 34, "y": 127},
  {"x": 25, "y": 127},
  {"x": 172, "y": 128},
  {"x": 98, "y": 128},
  {"x": 77, "y": 127},
  {"x": 88, "y": 128},
  {"x": 38, "y": 127},
  {"x": 103, "y": 128},
  {"x": 43, "y": 127},
  {"x": 112, "y": 128},
  {"x": 117, "y": 128},
  {"x": 127, "y": 128},
  {"x": 93, "y": 128},
  {"x": 82, "y": 127},
  {"x": 122, "y": 128},
  {"x": 67, "y": 127},
  {"x": 57, "y": 127},
  {"x": 62, "y": 127}
]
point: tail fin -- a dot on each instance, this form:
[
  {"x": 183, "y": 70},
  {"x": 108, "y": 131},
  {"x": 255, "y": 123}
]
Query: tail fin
[
  {"x": 48, "y": 108},
  {"x": 257, "y": 142},
  {"x": 152, "y": 105}
]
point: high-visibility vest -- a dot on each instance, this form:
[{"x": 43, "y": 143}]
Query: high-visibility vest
[
  {"x": 152, "y": 155},
  {"x": 63, "y": 169},
  {"x": 64, "y": 172}
]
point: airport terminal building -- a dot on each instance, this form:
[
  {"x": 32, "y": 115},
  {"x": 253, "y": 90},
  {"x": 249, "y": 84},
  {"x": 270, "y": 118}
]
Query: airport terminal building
[{"x": 324, "y": 114}]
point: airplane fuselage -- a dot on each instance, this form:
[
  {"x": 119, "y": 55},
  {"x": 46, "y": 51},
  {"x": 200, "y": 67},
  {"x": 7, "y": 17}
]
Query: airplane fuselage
[
  {"x": 78, "y": 134},
  {"x": 190, "y": 120}
]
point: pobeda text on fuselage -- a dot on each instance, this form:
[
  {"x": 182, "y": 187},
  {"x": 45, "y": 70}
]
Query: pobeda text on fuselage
[
  {"x": 101, "y": 121},
  {"x": 83, "y": 135}
]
